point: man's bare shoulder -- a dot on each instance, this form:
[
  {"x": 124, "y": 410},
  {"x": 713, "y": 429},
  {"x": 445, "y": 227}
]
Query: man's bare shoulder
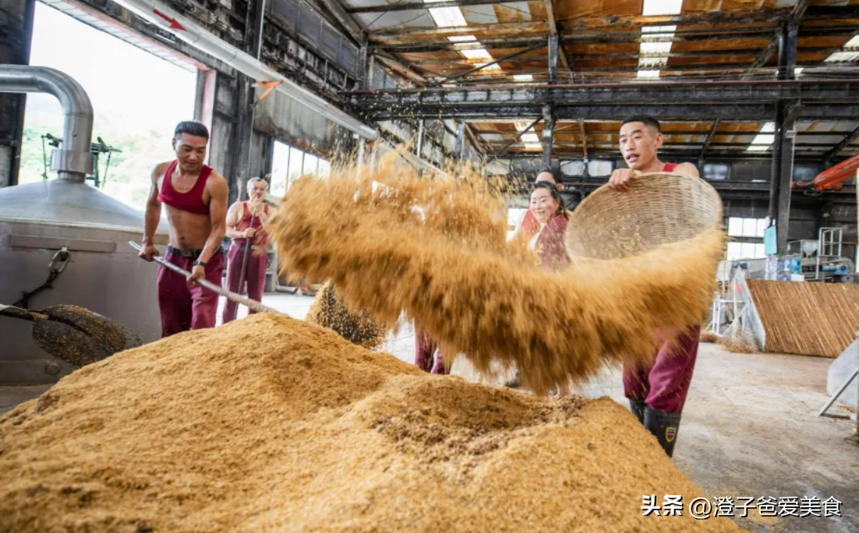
[
  {"x": 687, "y": 169},
  {"x": 160, "y": 169},
  {"x": 217, "y": 184}
]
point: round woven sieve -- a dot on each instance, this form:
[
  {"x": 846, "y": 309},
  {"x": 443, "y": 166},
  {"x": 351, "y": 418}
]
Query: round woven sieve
[{"x": 659, "y": 208}]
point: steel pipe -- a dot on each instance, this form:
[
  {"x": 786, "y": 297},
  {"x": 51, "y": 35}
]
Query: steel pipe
[{"x": 73, "y": 160}]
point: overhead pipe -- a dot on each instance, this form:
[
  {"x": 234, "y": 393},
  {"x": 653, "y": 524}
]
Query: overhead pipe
[
  {"x": 73, "y": 160},
  {"x": 169, "y": 20},
  {"x": 165, "y": 17}
]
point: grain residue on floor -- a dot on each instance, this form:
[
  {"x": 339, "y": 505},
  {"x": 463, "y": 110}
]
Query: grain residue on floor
[{"x": 272, "y": 424}]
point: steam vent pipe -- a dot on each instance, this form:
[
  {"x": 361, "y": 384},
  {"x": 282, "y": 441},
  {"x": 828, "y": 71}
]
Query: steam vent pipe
[{"x": 73, "y": 160}]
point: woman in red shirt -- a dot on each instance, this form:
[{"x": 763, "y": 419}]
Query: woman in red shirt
[{"x": 551, "y": 217}]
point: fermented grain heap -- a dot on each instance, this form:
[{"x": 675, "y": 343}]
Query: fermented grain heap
[
  {"x": 272, "y": 424},
  {"x": 436, "y": 250}
]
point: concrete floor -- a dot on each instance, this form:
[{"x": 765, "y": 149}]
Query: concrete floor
[{"x": 749, "y": 427}]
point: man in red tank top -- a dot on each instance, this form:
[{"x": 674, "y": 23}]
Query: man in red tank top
[
  {"x": 245, "y": 221},
  {"x": 656, "y": 393},
  {"x": 196, "y": 200}
]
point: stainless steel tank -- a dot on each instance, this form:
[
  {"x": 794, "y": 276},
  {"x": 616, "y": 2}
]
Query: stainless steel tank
[{"x": 67, "y": 225}]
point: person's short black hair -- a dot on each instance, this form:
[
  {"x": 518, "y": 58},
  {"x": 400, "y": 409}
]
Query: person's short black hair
[
  {"x": 552, "y": 188},
  {"x": 191, "y": 127},
  {"x": 647, "y": 120},
  {"x": 548, "y": 171}
]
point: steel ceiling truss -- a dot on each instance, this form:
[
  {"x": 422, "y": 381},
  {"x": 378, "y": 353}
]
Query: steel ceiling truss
[{"x": 831, "y": 99}]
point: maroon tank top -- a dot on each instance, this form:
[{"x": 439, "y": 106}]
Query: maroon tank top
[
  {"x": 668, "y": 167},
  {"x": 191, "y": 201},
  {"x": 260, "y": 238}
]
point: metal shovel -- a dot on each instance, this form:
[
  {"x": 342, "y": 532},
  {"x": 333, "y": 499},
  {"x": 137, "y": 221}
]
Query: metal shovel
[
  {"x": 75, "y": 334},
  {"x": 238, "y": 298}
]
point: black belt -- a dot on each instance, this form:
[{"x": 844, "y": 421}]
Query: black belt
[{"x": 193, "y": 254}]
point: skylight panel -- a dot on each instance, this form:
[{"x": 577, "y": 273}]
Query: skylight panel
[
  {"x": 763, "y": 140},
  {"x": 446, "y": 17},
  {"x": 661, "y": 7},
  {"x": 479, "y": 53}
]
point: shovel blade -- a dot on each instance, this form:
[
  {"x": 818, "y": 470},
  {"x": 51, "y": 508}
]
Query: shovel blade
[
  {"x": 109, "y": 334},
  {"x": 68, "y": 343}
]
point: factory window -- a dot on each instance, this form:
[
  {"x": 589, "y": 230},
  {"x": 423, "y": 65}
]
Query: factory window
[
  {"x": 279, "y": 169},
  {"x": 600, "y": 168},
  {"x": 595, "y": 168},
  {"x": 135, "y": 137},
  {"x": 573, "y": 168},
  {"x": 745, "y": 250},
  {"x": 746, "y": 227},
  {"x": 748, "y": 236},
  {"x": 310, "y": 162},
  {"x": 324, "y": 169},
  {"x": 716, "y": 171},
  {"x": 296, "y": 159},
  {"x": 288, "y": 163}
]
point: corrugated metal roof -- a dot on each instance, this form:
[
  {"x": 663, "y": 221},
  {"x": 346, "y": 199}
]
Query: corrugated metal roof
[{"x": 622, "y": 40}]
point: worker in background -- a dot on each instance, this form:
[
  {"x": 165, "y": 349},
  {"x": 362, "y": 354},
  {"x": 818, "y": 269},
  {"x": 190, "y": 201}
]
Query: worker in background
[
  {"x": 528, "y": 227},
  {"x": 245, "y": 222},
  {"x": 656, "y": 392},
  {"x": 547, "y": 209},
  {"x": 550, "y": 217},
  {"x": 427, "y": 354},
  {"x": 196, "y": 200}
]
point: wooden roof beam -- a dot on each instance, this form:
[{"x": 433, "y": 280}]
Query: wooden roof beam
[
  {"x": 597, "y": 38},
  {"x": 707, "y": 142},
  {"x": 764, "y": 56},
  {"x": 485, "y": 65},
  {"x": 595, "y": 23},
  {"x": 401, "y": 69},
  {"x": 504, "y": 148},
  {"x": 555, "y": 33},
  {"x": 581, "y": 122},
  {"x": 636, "y": 55}
]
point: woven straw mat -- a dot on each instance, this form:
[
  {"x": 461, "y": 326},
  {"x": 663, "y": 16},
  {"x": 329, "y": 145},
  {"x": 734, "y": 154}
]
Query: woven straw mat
[{"x": 659, "y": 208}]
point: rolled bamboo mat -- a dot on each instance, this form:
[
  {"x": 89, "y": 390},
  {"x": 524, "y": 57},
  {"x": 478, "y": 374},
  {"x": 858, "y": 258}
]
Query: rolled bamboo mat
[{"x": 806, "y": 318}]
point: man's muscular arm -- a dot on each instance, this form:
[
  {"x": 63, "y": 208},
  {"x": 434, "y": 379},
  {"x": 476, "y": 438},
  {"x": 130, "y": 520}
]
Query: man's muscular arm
[
  {"x": 152, "y": 216},
  {"x": 218, "y": 193},
  {"x": 233, "y": 216}
]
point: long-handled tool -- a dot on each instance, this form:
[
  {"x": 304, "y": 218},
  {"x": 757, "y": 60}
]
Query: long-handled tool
[
  {"x": 238, "y": 298},
  {"x": 74, "y": 334},
  {"x": 248, "y": 247}
]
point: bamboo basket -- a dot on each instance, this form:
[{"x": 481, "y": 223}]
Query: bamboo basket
[{"x": 659, "y": 208}]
